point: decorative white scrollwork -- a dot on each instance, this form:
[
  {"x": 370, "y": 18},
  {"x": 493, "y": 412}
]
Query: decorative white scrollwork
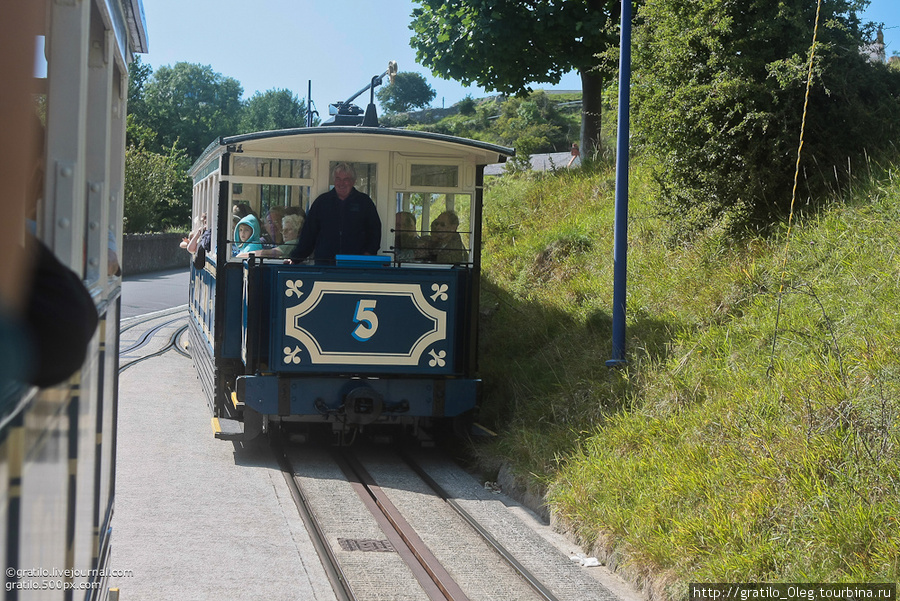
[
  {"x": 437, "y": 358},
  {"x": 293, "y": 287},
  {"x": 291, "y": 356},
  {"x": 440, "y": 291}
]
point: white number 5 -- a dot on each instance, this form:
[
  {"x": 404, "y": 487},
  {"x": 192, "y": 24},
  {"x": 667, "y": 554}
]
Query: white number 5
[{"x": 367, "y": 320}]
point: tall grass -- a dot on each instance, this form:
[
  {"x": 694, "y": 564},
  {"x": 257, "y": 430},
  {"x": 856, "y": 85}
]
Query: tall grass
[{"x": 727, "y": 449}]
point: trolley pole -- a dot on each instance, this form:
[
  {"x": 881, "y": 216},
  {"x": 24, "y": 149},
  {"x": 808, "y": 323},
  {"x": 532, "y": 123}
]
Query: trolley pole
[
  {"x": 309, "y": 111},
  {"x": 620, "y": 250}
]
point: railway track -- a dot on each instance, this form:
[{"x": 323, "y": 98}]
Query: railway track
[
  {"x": 399, "y": 526},
  {"x": 395, "y": 526},
  {"x": 152, "y": 335}
]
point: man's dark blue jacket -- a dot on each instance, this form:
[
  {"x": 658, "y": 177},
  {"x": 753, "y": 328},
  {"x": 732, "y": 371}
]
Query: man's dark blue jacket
[{"x": 339, "y": 227}]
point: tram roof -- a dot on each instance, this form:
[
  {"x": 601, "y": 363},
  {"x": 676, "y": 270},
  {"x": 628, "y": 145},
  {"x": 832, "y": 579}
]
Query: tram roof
[{"x": 401, "y": 140}]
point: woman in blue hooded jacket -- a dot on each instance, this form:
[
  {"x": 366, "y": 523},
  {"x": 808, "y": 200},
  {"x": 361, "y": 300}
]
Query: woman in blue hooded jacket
[{"x": 246, "y": 237}]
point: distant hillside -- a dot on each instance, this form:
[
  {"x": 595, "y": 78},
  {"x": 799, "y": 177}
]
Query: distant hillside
[{"x": 540, "y": 123}]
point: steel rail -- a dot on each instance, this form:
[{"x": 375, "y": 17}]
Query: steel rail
[
  {"x": 147, "y": 336},
  {"x": 169, "y": 346},
  {"x": 179, "y": 348},
  {"x": 530, "y": 578},
  {"x": 434, "y": 578},
  {"x": 339, "y": 583},
  {"x": 127, "y": 323}
]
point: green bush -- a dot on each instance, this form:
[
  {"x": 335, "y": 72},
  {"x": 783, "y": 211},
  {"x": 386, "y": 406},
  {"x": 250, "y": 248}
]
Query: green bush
[
  {"x": 719, "y": 95},
  {"x": 156, "y": 190}
]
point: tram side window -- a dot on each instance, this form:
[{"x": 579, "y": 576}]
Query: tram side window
[{"x": 432, "y": 227}]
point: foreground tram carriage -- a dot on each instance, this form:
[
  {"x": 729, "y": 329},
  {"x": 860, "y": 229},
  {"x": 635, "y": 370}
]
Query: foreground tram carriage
[
  {"x": 57, "y": 443},
  {"x": 390, "y": 339}
]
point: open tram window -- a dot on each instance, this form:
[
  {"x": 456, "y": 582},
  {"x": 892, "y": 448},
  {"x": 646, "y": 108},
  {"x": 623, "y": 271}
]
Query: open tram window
[{"x": 442, "y": 231}]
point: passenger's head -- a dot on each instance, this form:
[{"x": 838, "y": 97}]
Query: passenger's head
[
  {"x": 290, "y": 226},
  {"x": 405, "y": 222},
  {"x": 405, "y": 230},
  {"x": 444, "y": 226},
  {"x": 247, "y": 230},
  {"x": 241, "y": 210},
  {"x": 405, "y": 226},
  {"x": 344, "y": 177},
  {"x": 445, "y": 222},
  {"x": 273, "y": 222}
]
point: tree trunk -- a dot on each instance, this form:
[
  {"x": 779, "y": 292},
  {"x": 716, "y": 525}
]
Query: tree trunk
[{"x": 591, "y": 109}]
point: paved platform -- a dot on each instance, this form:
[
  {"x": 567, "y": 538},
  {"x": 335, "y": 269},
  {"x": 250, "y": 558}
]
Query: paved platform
[{"x": 198, "y": 518}]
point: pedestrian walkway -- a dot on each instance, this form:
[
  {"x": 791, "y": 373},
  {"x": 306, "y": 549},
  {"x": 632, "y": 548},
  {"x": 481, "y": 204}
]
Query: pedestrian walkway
[{"x": 199, "y": 519}]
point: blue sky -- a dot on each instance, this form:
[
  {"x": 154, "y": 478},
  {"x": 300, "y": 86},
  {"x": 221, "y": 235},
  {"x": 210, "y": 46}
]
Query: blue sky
[{"x": 338, "y": 44}]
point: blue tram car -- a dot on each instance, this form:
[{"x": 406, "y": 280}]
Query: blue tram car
[{"x": 385, "y": 339}]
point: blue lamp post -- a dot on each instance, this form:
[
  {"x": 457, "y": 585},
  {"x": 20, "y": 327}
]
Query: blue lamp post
[{"x": 620, "y": 251}]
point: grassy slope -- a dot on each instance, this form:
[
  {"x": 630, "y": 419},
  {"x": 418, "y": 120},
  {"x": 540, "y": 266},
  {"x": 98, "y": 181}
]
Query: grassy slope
[{"x": 709, "y": 458}]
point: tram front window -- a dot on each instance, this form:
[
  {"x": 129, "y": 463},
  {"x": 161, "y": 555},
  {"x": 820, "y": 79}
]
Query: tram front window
[{"x": 432, "y": 228}]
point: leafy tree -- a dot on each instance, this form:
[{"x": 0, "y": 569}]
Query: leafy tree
[
  {"x": 273, "y": 109},
  {"x": 138, "y": 74},
  {"x": 467, "y": 106},
  {"x": 138, "y": 134},
  {"x": 156, "y": 190},
  {"x": 505, "y": 45},
  {"x": 409, "y": 90},
  {"x": 531, "y": 125},
  {"x": 191, "y": 105},
  {"x": 719, "y": 95}
]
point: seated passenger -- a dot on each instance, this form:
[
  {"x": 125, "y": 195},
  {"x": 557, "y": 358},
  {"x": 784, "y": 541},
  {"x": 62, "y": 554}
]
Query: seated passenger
[
  {"x": 290, "y": 226},
  {"x": 200, "y": 236},
  {"x": 406, "y": 242},
  {"x": 445, "y": 244},
  {"x": 290, "y": 231},
  {"x": 273, "y": 235},
  {"x": 246, "y": 237},
  {"x": 199, "y": 224}
]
